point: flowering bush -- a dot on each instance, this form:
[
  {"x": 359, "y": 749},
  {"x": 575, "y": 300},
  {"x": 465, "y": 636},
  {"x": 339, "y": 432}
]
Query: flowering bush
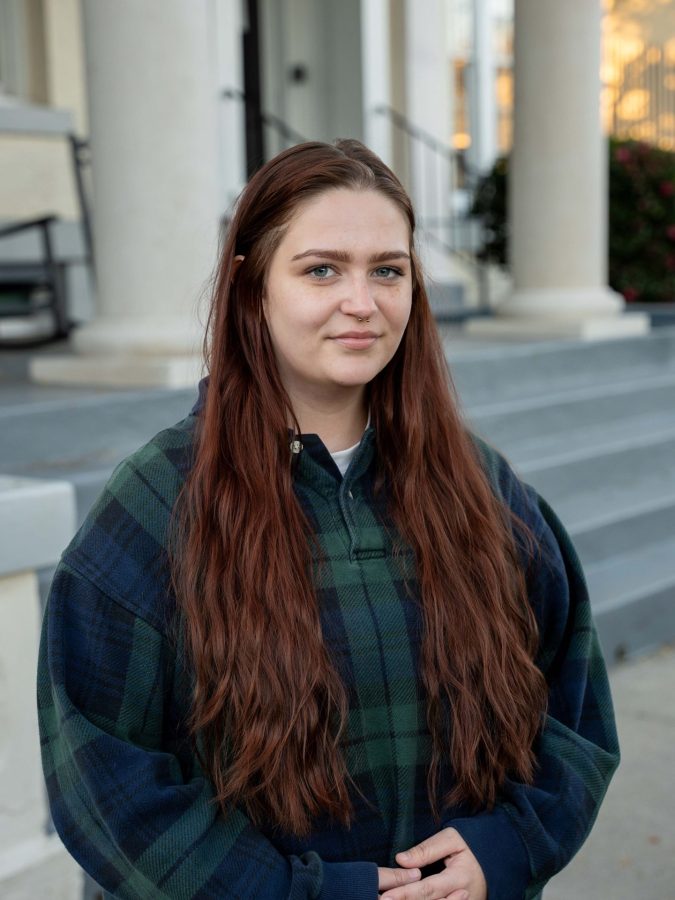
[{"x": 641, "y": 220}]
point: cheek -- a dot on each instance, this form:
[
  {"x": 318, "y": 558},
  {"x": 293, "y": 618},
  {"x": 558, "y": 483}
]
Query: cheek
[{"x": 400, "y": 312}]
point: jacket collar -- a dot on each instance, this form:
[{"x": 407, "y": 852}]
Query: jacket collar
[{"x": 314, "y": 461}]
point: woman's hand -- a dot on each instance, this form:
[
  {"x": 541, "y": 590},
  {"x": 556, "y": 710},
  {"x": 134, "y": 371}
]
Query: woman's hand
[{"x": 462, "y": 879}]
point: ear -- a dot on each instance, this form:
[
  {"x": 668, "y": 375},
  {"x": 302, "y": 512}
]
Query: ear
[{"x": 236, "y": 262}]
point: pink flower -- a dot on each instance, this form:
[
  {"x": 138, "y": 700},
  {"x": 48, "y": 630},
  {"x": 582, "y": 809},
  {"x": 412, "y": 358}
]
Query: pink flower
[
  {"x": 623, "y": 155},
  {"x": 670, "y": 232},
  {"x": 667, "y": 188},
  {"x": 630, "y": 294}
]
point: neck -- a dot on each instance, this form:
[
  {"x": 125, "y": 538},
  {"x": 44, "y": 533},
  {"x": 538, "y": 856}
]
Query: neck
[{"x": 339, "y": 424}]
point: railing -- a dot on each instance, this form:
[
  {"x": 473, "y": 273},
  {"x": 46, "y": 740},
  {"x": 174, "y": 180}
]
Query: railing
[
  {"x": 81, "y": 157},
  {"x": 283, "y": 130},
  {"x": 443, "y": 187}
]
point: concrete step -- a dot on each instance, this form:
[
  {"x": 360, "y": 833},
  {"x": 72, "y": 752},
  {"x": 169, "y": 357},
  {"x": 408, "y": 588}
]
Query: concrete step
[
  {"x": 618, "y": 504},
  {"x": 79, "y": 434},
  {"x": 487, "y": 372},
  {"x": 605, "y": 483},
  {"x": 633, "y": 598},
  {"x": 610, "y": 535},
  {"x": 533, "y": 428}
]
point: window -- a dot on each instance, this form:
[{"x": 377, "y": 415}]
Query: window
[{"x": 22, "y": 51}]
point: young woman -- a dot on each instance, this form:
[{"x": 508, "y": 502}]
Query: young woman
[{"x": 317, "y": 640}]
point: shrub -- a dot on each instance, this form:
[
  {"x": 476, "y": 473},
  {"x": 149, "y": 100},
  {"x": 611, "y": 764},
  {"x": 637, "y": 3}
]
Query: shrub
[{"x": 641, "y": 220}]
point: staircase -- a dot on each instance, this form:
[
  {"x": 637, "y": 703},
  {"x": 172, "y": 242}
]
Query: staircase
[{"x": 590, "y": 426}]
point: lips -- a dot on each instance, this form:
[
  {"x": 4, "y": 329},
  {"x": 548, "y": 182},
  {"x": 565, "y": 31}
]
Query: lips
[
  {"x": 357, "y": 334},
  {"x": 357, "y": 340}
]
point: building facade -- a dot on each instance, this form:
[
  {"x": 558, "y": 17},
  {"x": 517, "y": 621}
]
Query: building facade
[{"x": 180, "y": 101}]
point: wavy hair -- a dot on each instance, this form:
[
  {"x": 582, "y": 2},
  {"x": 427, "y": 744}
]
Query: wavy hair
[{"x": 269, "y": 713}]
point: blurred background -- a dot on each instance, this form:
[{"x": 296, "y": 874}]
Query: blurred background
[{"x": 537, "y": 140}]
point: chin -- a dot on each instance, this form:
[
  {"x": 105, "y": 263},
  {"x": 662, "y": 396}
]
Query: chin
[
  {"x": 355, "y": 379},
  {"x": 358, "y": 369}
]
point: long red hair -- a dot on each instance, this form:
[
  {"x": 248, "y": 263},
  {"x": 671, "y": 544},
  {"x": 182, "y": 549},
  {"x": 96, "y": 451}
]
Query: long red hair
[{"x": 268, "y": 707}]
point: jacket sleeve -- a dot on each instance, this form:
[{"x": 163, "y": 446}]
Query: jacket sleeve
[
  {"x": 534, "y": 830},
  {"x": 120, "y": 799}
]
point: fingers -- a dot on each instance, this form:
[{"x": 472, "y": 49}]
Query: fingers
[
  {"x": 436, "y": 847},
  {"x": 391, "y": 878},
  {"x": 434, "y": 887}
]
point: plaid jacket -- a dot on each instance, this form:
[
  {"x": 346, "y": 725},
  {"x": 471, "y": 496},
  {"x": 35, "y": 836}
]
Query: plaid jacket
[{"x": 128, "y": 797}]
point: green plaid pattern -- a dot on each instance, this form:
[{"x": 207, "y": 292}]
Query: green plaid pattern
[{"x": 127, "y": 795}]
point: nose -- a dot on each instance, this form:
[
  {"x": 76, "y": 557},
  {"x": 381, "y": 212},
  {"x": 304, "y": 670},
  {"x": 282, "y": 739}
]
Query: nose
[{"x": 360, "y": 299}]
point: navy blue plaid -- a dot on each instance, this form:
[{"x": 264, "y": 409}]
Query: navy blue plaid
[{"x": 127, "y": 794}]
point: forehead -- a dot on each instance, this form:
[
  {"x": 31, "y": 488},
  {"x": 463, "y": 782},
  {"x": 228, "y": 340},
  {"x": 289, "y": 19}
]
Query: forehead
[{"x": 348, "y": 216}]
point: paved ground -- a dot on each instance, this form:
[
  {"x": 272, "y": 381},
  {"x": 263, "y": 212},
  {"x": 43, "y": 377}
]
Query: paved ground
[{"x": 631, "y": 851}]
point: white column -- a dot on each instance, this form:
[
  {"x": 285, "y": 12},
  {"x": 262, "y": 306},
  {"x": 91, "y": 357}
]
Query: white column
[
  {"x": 558, "y": 183},
  {"x": 427, "y": 87},
  {"x": 152, "y": 83},
  {"x": 483, "y": 92},
  {"x": 37, "y": 519},
  {"x": 376, "y": 66},
  {"x": 231, "y": 138}
]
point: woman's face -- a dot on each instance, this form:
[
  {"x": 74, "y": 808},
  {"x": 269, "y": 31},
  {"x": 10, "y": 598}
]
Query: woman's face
[{"x": 345, "y": 256}]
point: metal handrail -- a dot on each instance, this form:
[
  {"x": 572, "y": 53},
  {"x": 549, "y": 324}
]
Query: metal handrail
[
  {"x": 436, "y": 223},
  {"x": 283, "y": 128},
  {"x": 81, "y": 156}
]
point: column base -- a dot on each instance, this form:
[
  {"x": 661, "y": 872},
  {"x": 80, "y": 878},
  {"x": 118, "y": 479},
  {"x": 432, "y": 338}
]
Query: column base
[
  {"x": 118, "y": 371},
  {"x": 588, "y": 329}
]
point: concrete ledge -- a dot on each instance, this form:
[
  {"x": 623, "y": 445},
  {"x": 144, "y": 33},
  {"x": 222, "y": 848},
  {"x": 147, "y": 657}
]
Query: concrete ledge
[
  {"x": 37, "y": 518},
  {"x": 40, "y": 867},
  {"x": 43, "y": 121},
  {"x": 589, "y": 329},
  {"x": 118, "y": 371}
]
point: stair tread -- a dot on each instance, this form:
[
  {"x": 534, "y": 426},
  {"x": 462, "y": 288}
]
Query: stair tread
[
  {"x": 537, "y": 449},
  {"x": 633, "y": 573}
]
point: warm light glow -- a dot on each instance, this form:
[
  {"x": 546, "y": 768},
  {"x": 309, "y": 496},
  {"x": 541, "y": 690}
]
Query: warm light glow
[
  {"x": 628, "y": 48},
  {"x": 461, "y": 141},
  {"x": 638, "y": 70},
  {"x": 634, "y": 105},
  {"x": 610, "y": 73},
  {"x": 505, "y": 89}
]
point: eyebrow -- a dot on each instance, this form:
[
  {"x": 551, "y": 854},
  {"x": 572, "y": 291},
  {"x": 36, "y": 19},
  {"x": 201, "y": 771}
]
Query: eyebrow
[{"x": 342, "y": 256}]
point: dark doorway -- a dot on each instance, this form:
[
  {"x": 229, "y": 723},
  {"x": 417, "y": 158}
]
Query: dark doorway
[{"x": 255, "y": 148}]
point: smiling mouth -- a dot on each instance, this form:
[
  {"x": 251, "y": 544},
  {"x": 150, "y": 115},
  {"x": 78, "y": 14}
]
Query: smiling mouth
[{"x": 356, "y": 343}]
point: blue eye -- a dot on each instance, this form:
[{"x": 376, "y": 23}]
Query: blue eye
[
  {"x": 387, "y": 272},
  {"x": 321, "y": 272}
]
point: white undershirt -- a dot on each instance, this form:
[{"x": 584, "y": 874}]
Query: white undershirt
[{"x": 344, "y": 457}]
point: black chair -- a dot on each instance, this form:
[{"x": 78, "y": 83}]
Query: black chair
[{"x": 28, "y": 288}]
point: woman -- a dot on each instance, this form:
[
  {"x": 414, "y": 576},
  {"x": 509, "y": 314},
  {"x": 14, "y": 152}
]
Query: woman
[{"x": 318, "y": 623}]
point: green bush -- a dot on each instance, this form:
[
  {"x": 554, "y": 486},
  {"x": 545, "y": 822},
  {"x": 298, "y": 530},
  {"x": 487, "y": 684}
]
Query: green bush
[{"x": 641, "y": 220}]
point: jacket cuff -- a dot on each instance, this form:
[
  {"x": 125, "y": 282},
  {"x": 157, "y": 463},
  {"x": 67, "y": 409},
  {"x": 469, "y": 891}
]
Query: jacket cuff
[
  {"x": 500, "y": 852},
  {"x": 349, "y": 881}
]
